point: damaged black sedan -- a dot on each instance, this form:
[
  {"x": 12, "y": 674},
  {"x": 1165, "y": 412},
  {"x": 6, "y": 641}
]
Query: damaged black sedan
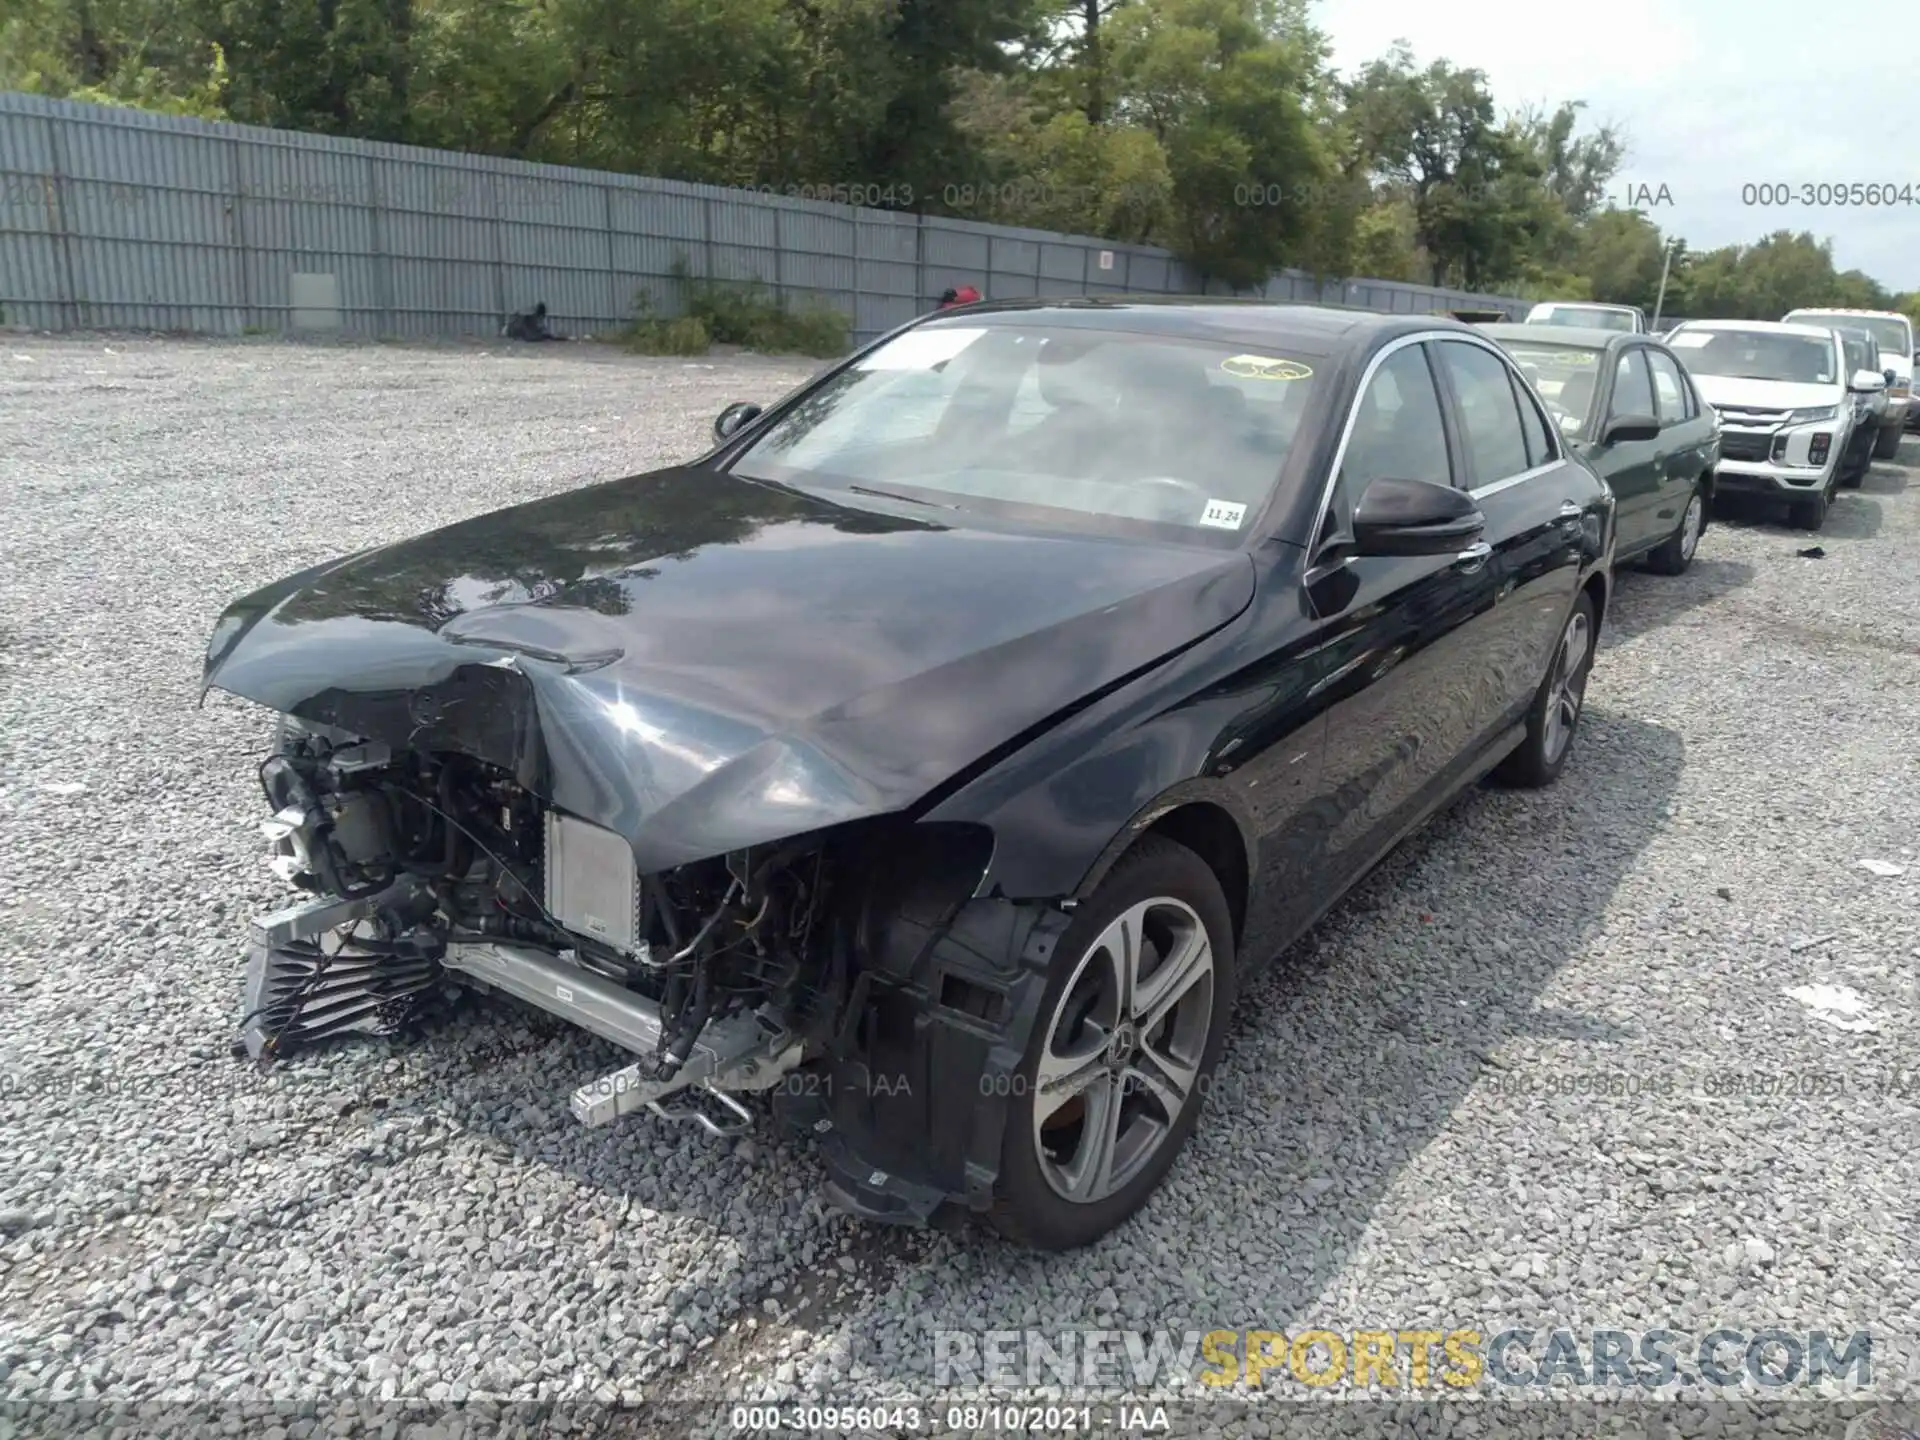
[{"x": 935, "y": 755}]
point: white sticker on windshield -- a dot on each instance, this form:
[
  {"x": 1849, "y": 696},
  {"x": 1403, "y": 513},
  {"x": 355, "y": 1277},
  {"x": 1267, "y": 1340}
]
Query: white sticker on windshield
[
  {"x": 922, "y": 349},
  {"x": 1223, "y": 515},
  {"x": 1690, "y": 339}
]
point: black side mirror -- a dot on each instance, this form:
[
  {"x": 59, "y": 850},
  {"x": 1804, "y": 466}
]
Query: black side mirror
[
  {"x": 733, "y": 418},
  {"x": 1889, "y": 376},
  {"x": 1630, "y": 427},
  {"x": 1415, "y": 517}
]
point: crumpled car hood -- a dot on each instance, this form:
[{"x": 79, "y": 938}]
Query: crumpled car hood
[{"x": 703, "y": 662}]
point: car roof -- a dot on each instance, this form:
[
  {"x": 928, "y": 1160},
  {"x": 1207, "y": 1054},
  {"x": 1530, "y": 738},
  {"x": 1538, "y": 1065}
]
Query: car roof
[
  {"x": 1764, "y": 327},
  {"x": 1586, "y": 305},
  {"x": 1831, "y": 310},
  {"x": 1322, "y": 329},
  {"x": 1578, "y": 337}
]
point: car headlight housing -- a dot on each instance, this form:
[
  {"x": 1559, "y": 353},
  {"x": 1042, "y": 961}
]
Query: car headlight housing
[{"x": 1813, "y": 415}]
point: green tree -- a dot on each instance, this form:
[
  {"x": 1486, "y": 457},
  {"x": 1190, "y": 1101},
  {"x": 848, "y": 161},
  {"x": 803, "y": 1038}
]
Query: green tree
[
  {"x": 1226, "y": 89},
  {"x": 152, "y": 54},
  {"x": 1620, "y": 253},
  {"x": 339, "y": 67},
  {"x": 1473, "y": 183},
  {"x": 1575, "y": 168}
]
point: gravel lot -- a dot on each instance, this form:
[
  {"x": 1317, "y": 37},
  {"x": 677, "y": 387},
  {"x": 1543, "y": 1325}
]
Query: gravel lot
[{"x": 1389, "y": 1142}]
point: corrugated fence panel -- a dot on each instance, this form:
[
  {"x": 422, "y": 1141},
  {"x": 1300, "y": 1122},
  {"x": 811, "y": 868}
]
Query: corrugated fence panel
[
  {"x": 32, "y": 257},
  {"x": 741, "y": 246},
  {"x": 956, "y": 253},
  {"x": 122, "y": 219},
  {"x": 817, "y": 255}
]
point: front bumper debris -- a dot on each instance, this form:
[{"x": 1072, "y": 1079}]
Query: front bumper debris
[
  {"x": 907, "y": 1104},
  {"x": 736, "y": 1052},
  {"x": 298, "y": 993}
]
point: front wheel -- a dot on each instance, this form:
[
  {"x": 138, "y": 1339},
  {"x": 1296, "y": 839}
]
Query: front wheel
[
  {"x": 1888, "y": 444},
  {"x": 1129, "y": 1031},
  {"x": 1556, "y": 708},
  {"x": 1810, "y": 514}
]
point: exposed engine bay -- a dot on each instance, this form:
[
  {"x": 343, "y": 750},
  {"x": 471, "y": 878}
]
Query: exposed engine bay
[
  {"x": 853, "y": 976},
  {"x": 436, "y": 867}
]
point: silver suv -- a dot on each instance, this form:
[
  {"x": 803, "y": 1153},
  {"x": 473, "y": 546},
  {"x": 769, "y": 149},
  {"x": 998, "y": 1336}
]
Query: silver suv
[
  {"x": 1870, "y": 402},
  {"x": 1788, "y": 414},
  {"x": 1894, "y": 332}
]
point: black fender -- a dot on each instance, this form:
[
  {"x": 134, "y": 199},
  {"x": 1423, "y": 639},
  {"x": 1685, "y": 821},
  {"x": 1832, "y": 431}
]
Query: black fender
[{"x": 1065, "y": 807}]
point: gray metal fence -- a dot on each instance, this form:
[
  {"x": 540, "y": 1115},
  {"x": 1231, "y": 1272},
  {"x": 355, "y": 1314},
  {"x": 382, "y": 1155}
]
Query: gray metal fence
[{"x": 119, "y": 219}]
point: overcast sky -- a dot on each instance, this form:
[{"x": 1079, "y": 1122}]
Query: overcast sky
[{"x": 1711, "y": 94}]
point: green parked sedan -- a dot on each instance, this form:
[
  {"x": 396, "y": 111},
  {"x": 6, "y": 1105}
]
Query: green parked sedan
[{"x": 1629, "y": 409}]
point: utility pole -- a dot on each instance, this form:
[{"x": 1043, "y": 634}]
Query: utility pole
[{"x": 1666, "y": 264}]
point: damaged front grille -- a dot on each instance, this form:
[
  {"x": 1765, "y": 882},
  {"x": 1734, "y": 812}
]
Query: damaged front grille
[{"x": 299, "y": 996}]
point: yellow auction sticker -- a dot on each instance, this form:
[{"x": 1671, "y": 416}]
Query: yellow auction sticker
[{"x": 1265, "y": 367}]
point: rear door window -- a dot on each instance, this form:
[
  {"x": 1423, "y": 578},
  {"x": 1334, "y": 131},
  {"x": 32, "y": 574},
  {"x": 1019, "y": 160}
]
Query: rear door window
[
  {"x": 1632, "y": 386},
  {"x": 1489, "y": 411},
  {"x": 1669, "y": 388}
]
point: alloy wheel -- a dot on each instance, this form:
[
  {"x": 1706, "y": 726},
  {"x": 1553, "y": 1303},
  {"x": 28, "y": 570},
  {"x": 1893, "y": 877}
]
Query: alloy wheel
[
  {"x": 1691, "y": 525},
  {"x": 1123, "y": 1049},
  {"x": 1569, "y": 685}
]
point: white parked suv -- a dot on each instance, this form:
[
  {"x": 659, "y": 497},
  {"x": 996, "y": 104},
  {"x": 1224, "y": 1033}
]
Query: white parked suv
[
  {"x": 1894, "y": 332},
  {"x": 1786, "y": 403},
  {"x": 1630, "y": 319}
]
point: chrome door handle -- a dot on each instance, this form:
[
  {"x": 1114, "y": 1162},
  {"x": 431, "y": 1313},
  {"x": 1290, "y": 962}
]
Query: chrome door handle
[{"x": 1474, "y": 556}]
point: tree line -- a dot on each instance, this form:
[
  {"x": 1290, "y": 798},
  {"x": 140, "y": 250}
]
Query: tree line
[{"x": 1218, "y": 129}]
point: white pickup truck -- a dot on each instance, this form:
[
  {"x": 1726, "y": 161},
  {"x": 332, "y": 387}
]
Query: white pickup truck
[{"x": 1629, "y": 319}]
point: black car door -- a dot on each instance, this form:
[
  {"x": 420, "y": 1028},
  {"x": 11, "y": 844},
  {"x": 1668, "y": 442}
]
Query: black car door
[
  {"x": 1406, "y": 642},
  {"x": 1632, "y": 468},
  {"x": 1540, "y": 522}
]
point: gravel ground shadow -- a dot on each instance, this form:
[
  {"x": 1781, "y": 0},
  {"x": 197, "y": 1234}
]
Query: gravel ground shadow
[
  {"x": 1853, "y": 515},
  {"x": 1643, "y": 601},
  {"x": 1351, "y": 1055}
]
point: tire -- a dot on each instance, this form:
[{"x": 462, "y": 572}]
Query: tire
[
  {"x": 1162, "y": 888},
  {"x": 1887, "y": 445},
  {"x": 1810, "y": 514},
  {"x": 1675, "y": 554},
  {"x": 1554, "y": 716}
]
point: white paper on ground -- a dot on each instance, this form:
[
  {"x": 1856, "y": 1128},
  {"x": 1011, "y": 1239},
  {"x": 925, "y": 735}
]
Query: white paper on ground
[{"x": 1840, "y": 1006}]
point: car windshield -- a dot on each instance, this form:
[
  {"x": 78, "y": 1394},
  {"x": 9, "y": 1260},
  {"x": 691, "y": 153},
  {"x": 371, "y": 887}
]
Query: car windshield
[
  {"x": 1757, "y": 355},
  {"x": 1111, "y": 428},
  {"x": 1565, "y": 376},
  {"x": 1889, "y": 333},
  {"x": 1590, "y": 317}
]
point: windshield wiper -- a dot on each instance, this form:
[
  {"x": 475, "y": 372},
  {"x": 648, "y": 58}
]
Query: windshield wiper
[{"x": 909, "y": 499}]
